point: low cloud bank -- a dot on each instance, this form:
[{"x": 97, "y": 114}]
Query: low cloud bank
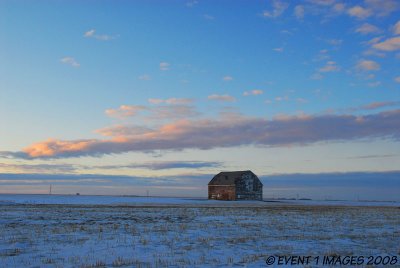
[{"x": 225, "y": 132}]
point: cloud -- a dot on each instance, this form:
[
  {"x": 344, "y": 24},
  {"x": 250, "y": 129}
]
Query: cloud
[
  {"x": 164, "y": 66},
  {"x": 225, "y": 97},
  {"x": 161, "y": 165},
  {"x": 390, "y": 44},
  {"x": 253, "y": 92},
  {"x": 299, "y": 11},
  {"x": 322, "y": 2},
  {"x": 334, "y": 42},
  {"x": 125, "y": 111},
  {"x": 381, "y": 8},
  {"x": 368, "y": 65},
  {"x": 191, "y": 3},
  {"x": 208, "y": 17},
  {"x": 374, "y": 84},
  {"x": 102, "y": 37},
  {"x": 278, "y": 49},
  {"x": 145, "y": 77},
  {"x": 89, "y": 33},
  {"x": 316, "y": 76},
  {"x": 207, "y": 134},
  {"x": 123, "y": 131},
  {"x": 227, "y": 78},
  {"x": 339, "y": 7},
  {"x": 377, "y": 105},
  {"x": 397, "y": 79},
  {"x": 367, "y": 28},
  {"x": 359, "y": 12},
  {"x": 396, "y": 28},
  {"x": 278, "y": 7},
  {"x": 171, "y": 101},
  {"x": 301, "y": 100},
  {"x": 172, "y": 112},
  {"x": 70, "y": 61},
  {"x": 38, "y": 168},
  {"x": 330, "y": 66}
]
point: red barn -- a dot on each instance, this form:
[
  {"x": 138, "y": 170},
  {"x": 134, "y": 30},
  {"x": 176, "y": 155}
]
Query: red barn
[{"x": 235, "y": 185}]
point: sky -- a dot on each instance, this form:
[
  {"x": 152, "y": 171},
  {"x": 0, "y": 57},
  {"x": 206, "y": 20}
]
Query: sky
[{"x": 105, "y": 97}]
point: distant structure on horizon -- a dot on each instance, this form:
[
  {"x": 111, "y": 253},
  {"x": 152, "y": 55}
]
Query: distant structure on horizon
[{"x": 235, "y": 185}]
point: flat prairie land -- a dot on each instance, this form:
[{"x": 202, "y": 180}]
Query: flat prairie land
[{"x": 190, "y": 235}]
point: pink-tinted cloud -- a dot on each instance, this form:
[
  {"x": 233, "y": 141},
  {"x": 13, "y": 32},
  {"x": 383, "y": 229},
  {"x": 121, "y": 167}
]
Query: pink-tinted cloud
[
  {"x": 208, "y": 134},
  {"x": 359, "y": 12},
  {"x": 367, "y": 28},
  {"x": 253, "y": 92},
  {"x": 171, "y": 101},
  {"x": 368, "y": 65},
  {"x": 278, "y": 7},
  {"x": 70, "y": 61},
  {"x": 225, "y": 97},
  {"x": 381, "y": 104},
  {"x": 125, "y": 111},
  {"x": 390, "y": 44},
  {"x": 102, "y": 37},
  {"x": 330, "y": 66}
]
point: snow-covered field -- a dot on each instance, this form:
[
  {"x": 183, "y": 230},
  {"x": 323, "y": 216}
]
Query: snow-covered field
[
  {"x": 159, "y": 201},
  {"x": 98, "y": 231}
]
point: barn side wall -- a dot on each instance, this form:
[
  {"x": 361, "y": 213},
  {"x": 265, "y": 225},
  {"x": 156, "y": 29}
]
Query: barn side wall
[
  {"x": 249, "y": 187},
  {"x": 221, "y": 192}
]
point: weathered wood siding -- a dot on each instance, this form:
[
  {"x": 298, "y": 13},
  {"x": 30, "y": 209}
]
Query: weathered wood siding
[
  {"x": 248, "y": 187},
  {"x": 221, "y": 192}
]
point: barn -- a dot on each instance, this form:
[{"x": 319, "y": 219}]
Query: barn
[{"x": 235, "y": 185}]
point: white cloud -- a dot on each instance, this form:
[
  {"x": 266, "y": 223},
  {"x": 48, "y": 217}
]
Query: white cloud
[
  {"x": 144, "y": 77},
  {"x": 278, "y": 8},
  {"x": 253, "y": 92},
  {"x": 208, "y": 17},
  {"x": 70, "y": 61},
  {"x": 283, "y": 98},
  {"x": 396, "y": 28},
  {"x": 299, "y": 11},
  {"x": 334, "y": 42},
  {"x": 330, "y": 66},
  {"x": 359, "y": 12},
  {"x": 367, "y": 28},
  {"x": 103, "y": 37},
  {"x": 164, "y": 66},
  {"x": 322, "y": 2},
  {"x": 227, "y": 78},
  {"x": 278, "y": 49},
  {"x": 225, "y": 97},
  {"x": 397, "y": 79},
  {"x": 374, "y": 84},
  {"x": 90, "y": 33},
  {"x": 171, "y": 101},
  {"x": 390, "y": 44},
  {"x": 339, "y": 7},
  {"x": 381, "y": 8},
  {"x": 316, "y": 76},
  {"x": 301, "y": 100},
  {"x": 368, "y": 65},
  {"x": 191, "y": 3}
]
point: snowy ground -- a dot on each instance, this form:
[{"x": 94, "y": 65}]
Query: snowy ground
[
  {"x": 159, "y": 201},
  {"x": 149, "y": 232}
]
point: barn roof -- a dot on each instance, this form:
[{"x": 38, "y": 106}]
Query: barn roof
[{"x": 227, "y": 178}]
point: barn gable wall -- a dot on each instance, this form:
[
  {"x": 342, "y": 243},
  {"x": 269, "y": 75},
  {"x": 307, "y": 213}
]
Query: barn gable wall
[{"x": 248, "y": 187}]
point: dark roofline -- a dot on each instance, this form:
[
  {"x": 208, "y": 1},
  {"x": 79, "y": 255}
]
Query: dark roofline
[{"x": 229, "y": 174}]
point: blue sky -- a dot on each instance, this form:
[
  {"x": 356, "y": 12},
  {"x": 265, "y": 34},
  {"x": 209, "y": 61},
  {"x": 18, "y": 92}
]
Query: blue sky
[{"x": 171, "y": 91}]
